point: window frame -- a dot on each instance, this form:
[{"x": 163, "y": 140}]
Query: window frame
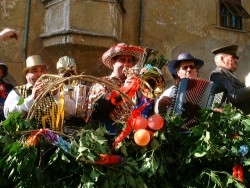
[{"x": 231, "y": 14}]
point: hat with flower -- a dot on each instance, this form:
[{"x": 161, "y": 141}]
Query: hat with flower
[{"x": 122, "y": 49}]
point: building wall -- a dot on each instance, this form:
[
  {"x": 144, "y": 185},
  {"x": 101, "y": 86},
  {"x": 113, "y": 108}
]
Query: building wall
[
  {"x": 169, "y": 26},
  {"x": 173, "y": 27}
]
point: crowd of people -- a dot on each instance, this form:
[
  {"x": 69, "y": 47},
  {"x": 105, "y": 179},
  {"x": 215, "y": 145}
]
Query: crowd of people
[{"x": 101, "y": 104}]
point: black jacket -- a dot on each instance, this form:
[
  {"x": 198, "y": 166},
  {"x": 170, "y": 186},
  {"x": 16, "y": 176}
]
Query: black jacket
[{"x": 237, "y": 93}]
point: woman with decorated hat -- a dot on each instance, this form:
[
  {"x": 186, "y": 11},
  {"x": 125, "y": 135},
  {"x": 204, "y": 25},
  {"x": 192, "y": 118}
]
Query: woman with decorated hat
[{"x": 118, "y": 58}]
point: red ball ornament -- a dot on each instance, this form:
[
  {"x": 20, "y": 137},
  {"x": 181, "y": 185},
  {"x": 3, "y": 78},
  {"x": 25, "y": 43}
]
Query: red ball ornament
[
  {"x": 141, "y": 137},
  {"x": 155, "y": 122},
  {"x": 140, "y": 123}
]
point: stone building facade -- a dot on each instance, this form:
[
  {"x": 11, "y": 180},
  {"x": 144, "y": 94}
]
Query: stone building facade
[{"x": 84, "y": 29}]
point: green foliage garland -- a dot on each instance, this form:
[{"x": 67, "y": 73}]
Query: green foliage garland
[{"x": 203, "y": 157}]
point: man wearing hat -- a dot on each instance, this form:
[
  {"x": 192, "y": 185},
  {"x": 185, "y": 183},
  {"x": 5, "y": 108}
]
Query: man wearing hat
[
  {"x": 65, "y": 64},
  {"x": 117, "y": 58},
  {"x": 226, "y": 60},
  {"x": 34, "y": 69},
  {"x": 185, "y": 66}
]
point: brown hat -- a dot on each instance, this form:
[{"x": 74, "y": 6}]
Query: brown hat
[
  {"x": 230, "y": 49},
  {"x": 122, "y": 49},
  {"x": 32, "y": 61}
]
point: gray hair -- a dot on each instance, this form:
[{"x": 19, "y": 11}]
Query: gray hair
[{"x": 217, "y": 59}]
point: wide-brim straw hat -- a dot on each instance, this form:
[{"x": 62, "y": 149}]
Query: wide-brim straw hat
[
  {"x": 122, "y": 49},
  {"x": 33, "y": 61}
]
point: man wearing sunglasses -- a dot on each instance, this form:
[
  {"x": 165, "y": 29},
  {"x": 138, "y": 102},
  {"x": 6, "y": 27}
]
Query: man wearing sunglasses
[
  {"x": 185, "y": 66},
  {"x": 236, "y": 93}
]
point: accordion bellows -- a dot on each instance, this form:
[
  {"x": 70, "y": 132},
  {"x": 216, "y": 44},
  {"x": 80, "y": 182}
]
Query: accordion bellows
[{"x": 191, "y": 95}]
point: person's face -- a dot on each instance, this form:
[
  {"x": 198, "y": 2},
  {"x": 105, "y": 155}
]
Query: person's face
[
  {"x": 230, "y": 62},
  {"x": 187, "y": 69},
  {"x": 34, "y": 73},
  {"x": 121, "y": 62}
]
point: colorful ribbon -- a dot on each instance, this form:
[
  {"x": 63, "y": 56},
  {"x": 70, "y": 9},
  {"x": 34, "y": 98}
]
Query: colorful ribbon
[
  {"x": 50, "y": 137},
  {"x": 58, "y": 141},
  {"x": 129, "y": 89},
  {"x": 238, "y": 172},
  {"x": 129, "y": 124}
]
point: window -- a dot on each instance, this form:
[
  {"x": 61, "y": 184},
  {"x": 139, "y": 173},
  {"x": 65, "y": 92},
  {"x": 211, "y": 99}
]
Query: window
[{"x": 232, "y": 13}]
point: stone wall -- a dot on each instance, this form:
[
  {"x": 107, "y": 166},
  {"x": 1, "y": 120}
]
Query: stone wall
[{"x": 171, "y": 27}]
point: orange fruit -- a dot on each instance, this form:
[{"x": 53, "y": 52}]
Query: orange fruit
[{"x": 141, "y": 137}]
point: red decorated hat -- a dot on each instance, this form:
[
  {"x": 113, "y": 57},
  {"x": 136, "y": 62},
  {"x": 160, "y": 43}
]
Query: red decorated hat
[{"x": 122, "y": 49}]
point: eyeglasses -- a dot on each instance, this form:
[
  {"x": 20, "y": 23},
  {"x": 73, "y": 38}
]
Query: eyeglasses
[{"x": 188, "y": 66}]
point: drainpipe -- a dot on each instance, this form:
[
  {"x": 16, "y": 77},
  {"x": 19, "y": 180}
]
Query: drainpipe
[
  {"x": 140, "y": 23},
  {"x": 26, "y": 32}
]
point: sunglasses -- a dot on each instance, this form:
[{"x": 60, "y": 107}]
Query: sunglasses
[{"x": 188, "y": 66}]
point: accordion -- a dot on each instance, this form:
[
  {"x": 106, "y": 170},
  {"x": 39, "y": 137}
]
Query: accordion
[{"x": 190, "y": 96}]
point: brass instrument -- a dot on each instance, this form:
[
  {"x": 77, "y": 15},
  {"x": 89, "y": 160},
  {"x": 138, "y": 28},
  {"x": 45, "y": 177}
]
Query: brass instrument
[{"x": 152, "y": 82}]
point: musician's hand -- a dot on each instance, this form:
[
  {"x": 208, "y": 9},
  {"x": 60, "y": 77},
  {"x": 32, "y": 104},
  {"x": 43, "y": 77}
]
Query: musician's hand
[
  {"x": 247, "y": 80},
  {"x": 128, "y": 81},
  {"x": 165, "y": 101},
  {"x": 36, "y": 88},
  {"x": 218, "y": 110},
  {"x": 55, "y": 91}
]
